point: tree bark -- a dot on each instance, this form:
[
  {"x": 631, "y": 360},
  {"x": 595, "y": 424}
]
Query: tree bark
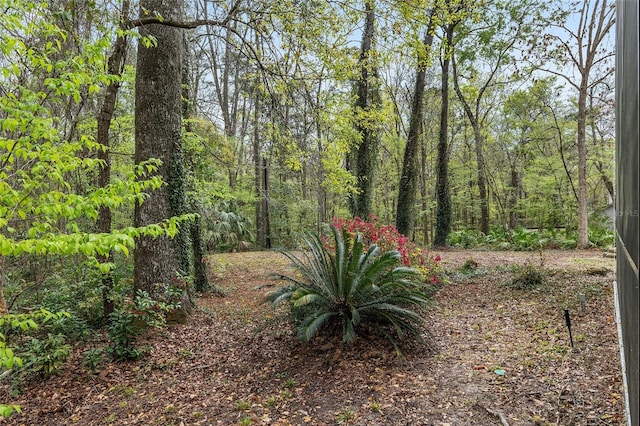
[
  {"x": 265, "y": 203},
  {"x": 368, "y": 99},
  {"x": 3, "y": 301},
  {"x": 443, "y": 195},
  {"x": 158, "y": 135},
  {"x": 196, "y": 260},
  {"x": 407, "y": 186},
  {"x": 583, "y": 214},
  {"x": 513, "y": 198},
  {"x": 115, "y": 65}
]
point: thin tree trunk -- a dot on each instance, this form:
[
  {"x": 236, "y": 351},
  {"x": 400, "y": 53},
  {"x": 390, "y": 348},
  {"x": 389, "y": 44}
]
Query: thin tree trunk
[
  {"x": 257, "y": 168},
  {"x": 115, "y": 65},
  {"x": 513, "y": 198},
  {"x": 583, "y": 225},
  {"x": 423, "y": 195},
  {"x": 407, "y": 186},
  {"x": 479, "y": 148},
  {"x": 265, "y": 204},
  {"x": 3, "y": 301}
]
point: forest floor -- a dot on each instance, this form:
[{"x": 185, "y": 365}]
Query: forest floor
[{"x": 496, "y": 356}]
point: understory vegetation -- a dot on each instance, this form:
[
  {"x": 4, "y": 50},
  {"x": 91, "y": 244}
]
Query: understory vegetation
[
  {"x": 349, "y": 287},
  {"x": 135, "y": 148}
]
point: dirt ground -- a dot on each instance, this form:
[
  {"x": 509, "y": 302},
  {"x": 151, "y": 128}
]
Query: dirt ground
[{"x": 496, "y": 356}]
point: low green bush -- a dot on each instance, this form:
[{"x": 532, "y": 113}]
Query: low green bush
[
  {"x": 344, "y": 289},
  {"x": 526, "y": 277}
]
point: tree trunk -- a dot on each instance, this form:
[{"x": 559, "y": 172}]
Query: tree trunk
[
  {"x": 479, "y": 148},
  {"x": 158, "y": 135},
  {"x": 322, "y": 194},
  {"x": 407, "y": 186},
  {"x": 197, "y": 261},
  {"x": 443, "y": 195},
  {"x": 200, "y": 280},
  {"x": 423, "y": 196},
  {"x": 3, "y": 301},
  {"x": 265, "y": 204},
  {"x": 583, "y": 225},
  {"x": 482, "y": 182},
  {"x": 368, "y": 99},
  {"x": 115, "y": 65},
  {"x": 513, "y": 198}
]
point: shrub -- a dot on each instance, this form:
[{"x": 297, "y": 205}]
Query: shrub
[
  {"x": 92, "y": 359},
  {"x": 44, "y": 356},
  {"x": 126, "y": 323},
  {"x": 346, "y": 287},
  {"x": 527, "y": 277},
  {"x": 387, "y": 238}
]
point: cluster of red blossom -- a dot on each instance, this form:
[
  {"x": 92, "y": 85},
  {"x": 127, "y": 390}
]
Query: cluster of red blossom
[{"x": 388, "y": 238}]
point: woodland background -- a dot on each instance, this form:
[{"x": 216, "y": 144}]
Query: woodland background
[{"x": 166, "y": 130}]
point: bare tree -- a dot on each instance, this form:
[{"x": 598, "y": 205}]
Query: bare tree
[{"x": 584, "y": 49}]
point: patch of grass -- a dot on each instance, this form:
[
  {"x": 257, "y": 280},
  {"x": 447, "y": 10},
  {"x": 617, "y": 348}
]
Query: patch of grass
[
  {"x": 375, "y": 406},
  {"x": 270, "y": 402},
  {"x": 469, "y": 269},
  {"x": 289, "y": 383},
  {"x": 245, "y": 421},
  {"x": 526, "y": 277},
  {"x": 286, "y": 394},
  {"x": 123, "y": 390},
  {"x": 345, "y": 417},
  {"x": 242, "y": 405}
]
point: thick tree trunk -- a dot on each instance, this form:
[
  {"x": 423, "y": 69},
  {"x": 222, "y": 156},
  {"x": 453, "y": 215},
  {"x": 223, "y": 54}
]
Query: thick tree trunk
[
  {"x": 443, "y": 195},
  {"x": 407, "y": 186},
  {"x": 368, "y": 99},
  {"x": 158, "y": 135}
]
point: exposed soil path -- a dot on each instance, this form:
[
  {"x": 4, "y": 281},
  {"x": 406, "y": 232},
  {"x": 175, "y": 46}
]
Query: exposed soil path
[{"x": 497, "y": 356}]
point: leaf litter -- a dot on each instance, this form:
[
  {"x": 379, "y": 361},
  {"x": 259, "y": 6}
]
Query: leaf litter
[{"x": 496, "y": 355}]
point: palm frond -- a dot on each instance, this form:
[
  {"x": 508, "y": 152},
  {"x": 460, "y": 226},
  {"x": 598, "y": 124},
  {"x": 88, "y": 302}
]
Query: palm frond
[{"x": 348, "y": 286}]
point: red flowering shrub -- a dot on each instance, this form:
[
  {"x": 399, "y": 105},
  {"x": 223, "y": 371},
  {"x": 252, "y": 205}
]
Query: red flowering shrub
[{"x": 388, "y": 238}]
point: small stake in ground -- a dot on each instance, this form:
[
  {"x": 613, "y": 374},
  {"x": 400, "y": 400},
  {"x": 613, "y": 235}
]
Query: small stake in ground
[
  {"x": 567, "y": 319},
  {"x": 583, "y": 301}
]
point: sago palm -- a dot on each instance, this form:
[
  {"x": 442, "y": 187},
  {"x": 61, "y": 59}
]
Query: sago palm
[{"x": 347, "y": 287}]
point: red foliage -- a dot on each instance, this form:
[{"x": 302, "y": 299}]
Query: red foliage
[{"x": 388, "y": 238}]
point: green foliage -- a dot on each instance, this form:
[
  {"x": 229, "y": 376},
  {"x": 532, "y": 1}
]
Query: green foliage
[
  {"x": 349, "y": 288},
  {"x": 44, "y": 356},
  {"x": 92, "y": 359},
  {"x": 123, "y": 332},
  {"x": 12, "y": 327},
  {"x": 225, "y": 226},
  {"x": 127, "y": 322},
  {"x": 469, "y": 269},
  {"x": 526, "y": 277},
  {"x": 522, "y": 239}
]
